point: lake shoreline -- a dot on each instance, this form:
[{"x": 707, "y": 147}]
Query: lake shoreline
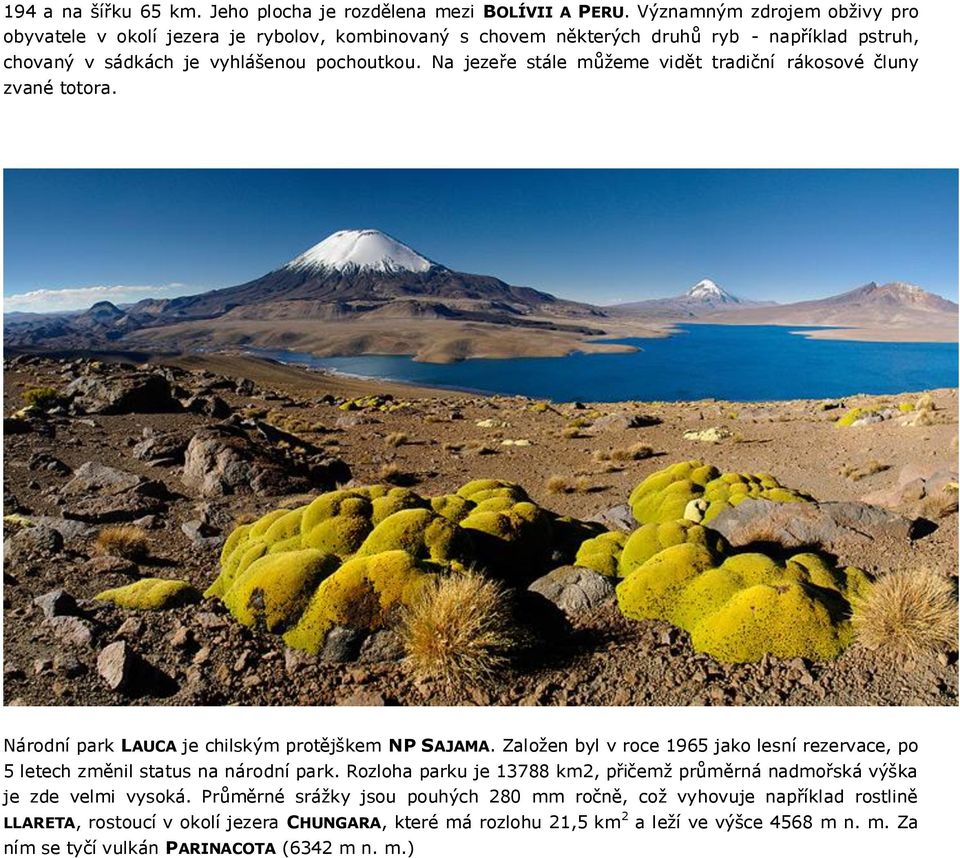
[{"x": 733, "y": 363}]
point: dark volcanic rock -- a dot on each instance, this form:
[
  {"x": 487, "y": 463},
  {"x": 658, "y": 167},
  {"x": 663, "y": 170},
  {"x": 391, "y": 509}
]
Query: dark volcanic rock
[
  {"x": 98, "y": 493},
  {"x": 126, "y": 393},
  {"x": 36, "y": 538},
  {"x": 621, "y": 422},
  {"x": 210, "y": 406},
  {"x": 56, "y": 603},
  {"x": 161, "y": 448},
  {"x": 202, "y": 534}
]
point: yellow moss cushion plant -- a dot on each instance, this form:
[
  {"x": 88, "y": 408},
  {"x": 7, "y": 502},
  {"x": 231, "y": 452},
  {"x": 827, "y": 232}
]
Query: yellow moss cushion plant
[
  {"x": 150, "y": 594},
  {"x": 700, "y": 492},
  {"x": 742, "y": 607},
  {"x": 351, "y": 557}
]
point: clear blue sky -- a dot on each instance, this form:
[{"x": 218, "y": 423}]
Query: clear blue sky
[{"x": 601, "y": 236}]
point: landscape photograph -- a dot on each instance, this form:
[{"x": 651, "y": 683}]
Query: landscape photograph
[{"x": 480, "y": 437}]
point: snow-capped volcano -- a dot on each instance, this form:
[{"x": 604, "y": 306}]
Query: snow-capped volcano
[
  {"x": 700, "y": 299},
  {"x": 359, "y": 272},
  {"x": 353, "y": 250},
  {"x": 709, "y": 292}
]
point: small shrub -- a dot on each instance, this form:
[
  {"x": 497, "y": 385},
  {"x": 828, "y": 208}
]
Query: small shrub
[
  {"x": 459, "y": 631},
  {"x": 570, "y": 432},
  {"x": 41, "y": 397},
  {"x": 450, "y": 447},
  {"x": 396, "y": 439},
  {"x": 124, "y": 541},
  {"x": 908, "y": 613},
  {"x": 558, "y": 485}
]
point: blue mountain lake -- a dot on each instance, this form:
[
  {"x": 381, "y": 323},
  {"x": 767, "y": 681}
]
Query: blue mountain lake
[{"x": 744, "y": 363}]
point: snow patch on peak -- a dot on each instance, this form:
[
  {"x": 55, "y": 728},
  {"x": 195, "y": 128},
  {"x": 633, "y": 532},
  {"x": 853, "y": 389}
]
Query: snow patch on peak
[
  {"x": 352, "y": 250},
  {"x": 707, "y": 290}
]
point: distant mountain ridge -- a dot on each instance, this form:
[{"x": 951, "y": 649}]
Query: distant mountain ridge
[
  {"x": 891, "y": 305},
  {"x": 350, "y": 275}
]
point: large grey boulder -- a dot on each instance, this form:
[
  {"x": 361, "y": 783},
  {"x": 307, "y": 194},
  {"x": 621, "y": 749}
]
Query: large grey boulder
[
  {"x": 127, "y": 393},
  {"x": 222, "y": 460},
  {"x": 793, "y": 525}
]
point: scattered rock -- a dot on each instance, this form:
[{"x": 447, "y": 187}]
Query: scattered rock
[
  {"x": 56, "y": 603},
  {"x": 929, "y": 492},
  {"x": 69, "y": 529},
  {"x": 98, "y": 493},
  {"x": 202, "y": 534},
  {"x": 341, "y": 644},
  {"x": 181, "y": 638},
  {"x": 34, "y": 539},
  {"x": 110, "y": 565},
  {"x": 210, "y": 406},
  {"x": 161, "y": 449},
  {"x": 71, "y": 630},
  {"x": 131, "y": 627},
  {"x": 296, "y": 659},
  {"x": 713, "y": 435},
  {"x": 618, "y": 517},
  {"x": 117, "y": 664},
  {"x": 380, "y": 646},
  {"x": 47, "y": 462},
  {"x": 621, "y": 422},
  {"x": 66, "y": 663},
  {"x": 363, "y": 697},
  {"x": 574, "y": 590}
]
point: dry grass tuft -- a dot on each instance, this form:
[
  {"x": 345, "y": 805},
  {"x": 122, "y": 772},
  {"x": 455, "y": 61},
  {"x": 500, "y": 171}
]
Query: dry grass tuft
[
  {"x": 908, "y": 613},
  {"x": 624, "y": 454},
  {"x": 450, "y": 447},
  {"x": 480, "y": 448},
  {"x": 395, "y": 475},
  {"x": 459, "y": 631},
  {"x": 859, "y": 472},
  {"x": 558, "y": 485},
  {"x": 396, "y": 439},
  {"x": 124, "y": 541}
]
